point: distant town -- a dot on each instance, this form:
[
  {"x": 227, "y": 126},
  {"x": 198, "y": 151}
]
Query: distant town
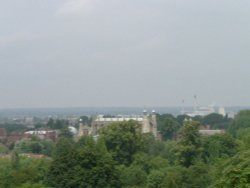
[
  {"x": 108, "y": 148},
  {"x": 16, "y": 124}
]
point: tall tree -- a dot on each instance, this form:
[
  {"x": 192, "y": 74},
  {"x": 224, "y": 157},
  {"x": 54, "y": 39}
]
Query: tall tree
[
  {"x": 87, "y": 166},
  {"x": 65, "y": 132},
  {"x": 244, "y": 136},
  {"x": 242, "y": 120},
  {"x": 155, "y": 179},
  {"x": 235, "y": 172},
  {"x": 123, "y": 140},
  {"x": 189, "y": 144},
  {"x": 133, "y": 176},
  {"x": 180, "y": 118},
  {"x": 21, "y": 171},
  {"x": 168, "y": 128},
  {"x": 219, "y": 146}
]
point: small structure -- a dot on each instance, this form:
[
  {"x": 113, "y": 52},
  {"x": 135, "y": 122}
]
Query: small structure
[
  {"x": 207, "y": 131},
  {"x": 73, "y": 130},
  {"x": 52, "y": 135},
  {"x": 29, "y": 122},
  {"x": 211, "y": 132}
]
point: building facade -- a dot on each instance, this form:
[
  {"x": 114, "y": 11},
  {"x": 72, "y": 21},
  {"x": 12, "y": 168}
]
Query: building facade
[
  {"x": 147, "y": 122},
  {"x": 84, "y": 130}
]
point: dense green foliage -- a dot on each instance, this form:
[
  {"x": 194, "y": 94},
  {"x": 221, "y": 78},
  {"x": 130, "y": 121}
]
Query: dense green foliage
[
  {"x": 56, "y": 124},
  {"x": 21, "y": 171},
  {"x": 35, "y": 145},
  {"x": 123, "y": 140},
  {"x": 219, "y": 146},
  {"x": 189, "y": 144},
  {"x": 241, "y": 121},
  {"x": 168, "y": 125},
  {"x": 124, "y": 157},
  {"x": 87, "y": 165},
  {"x": 235, "y": 172}
]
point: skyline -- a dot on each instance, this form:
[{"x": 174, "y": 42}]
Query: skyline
[{"x": 80, "y": 53}]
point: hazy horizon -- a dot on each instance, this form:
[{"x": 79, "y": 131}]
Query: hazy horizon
[
  {"x": 76, "y": 53},
  {"x": 142, "y": 107},
  {"x": 92, "y": 111}
]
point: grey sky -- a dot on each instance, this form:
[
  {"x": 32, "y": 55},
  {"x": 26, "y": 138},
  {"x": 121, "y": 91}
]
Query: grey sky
[{"x": 63, "y": 53}]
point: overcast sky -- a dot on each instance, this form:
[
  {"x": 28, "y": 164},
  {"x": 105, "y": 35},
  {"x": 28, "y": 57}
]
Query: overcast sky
[{"x": 68, "y": 53}]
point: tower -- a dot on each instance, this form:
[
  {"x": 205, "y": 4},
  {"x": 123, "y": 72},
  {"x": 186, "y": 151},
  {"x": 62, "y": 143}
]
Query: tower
[
  {"x": 222, "y": 111},
  {"x": 80, "y": 132},
  {"x": 153, "y": 124},
  {"x": 195, "y": 103},
  {"x": 149, "y": 124},
  {"x": 84, "y": 130},
  {"x": 145, "y": 123}
]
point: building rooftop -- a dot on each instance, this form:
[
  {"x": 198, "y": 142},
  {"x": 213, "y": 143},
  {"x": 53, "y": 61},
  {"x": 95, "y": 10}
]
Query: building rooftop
[
  {"x": 118, "y": 118},
  {"x": 3, "y": 132},
  {"x": 211, "y": 132}
]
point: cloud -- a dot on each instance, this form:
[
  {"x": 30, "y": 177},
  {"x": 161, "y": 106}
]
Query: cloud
[{"x": 75, "y": 7}]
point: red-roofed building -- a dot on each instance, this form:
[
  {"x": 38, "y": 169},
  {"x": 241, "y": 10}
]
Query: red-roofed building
[
  {"x": 3, "y": 135},
  {"x": 15, "y": 136}
]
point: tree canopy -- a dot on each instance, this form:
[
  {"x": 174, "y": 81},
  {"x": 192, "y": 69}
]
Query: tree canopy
[
  {"x": 122, "y": 156},
  {"x": 189, "y": 143},
  {"x": 123, "y": 140},
  {"x": 87, "y": 166}
]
